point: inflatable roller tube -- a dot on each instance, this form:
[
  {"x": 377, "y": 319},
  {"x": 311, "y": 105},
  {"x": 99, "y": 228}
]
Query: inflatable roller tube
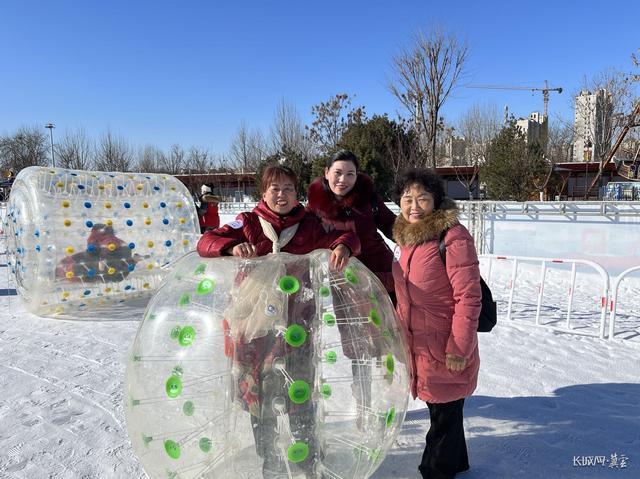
[{"x": 79, "y": 240}]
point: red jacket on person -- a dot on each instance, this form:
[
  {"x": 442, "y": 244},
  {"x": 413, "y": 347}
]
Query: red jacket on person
[
  {"x": 246, "y": 228},
  {"x": 355, "y": 212},
  {"x": 438, "y": 306}
]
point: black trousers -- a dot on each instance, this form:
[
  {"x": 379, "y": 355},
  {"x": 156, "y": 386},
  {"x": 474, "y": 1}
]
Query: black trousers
[{"x": 446, "y": 451}]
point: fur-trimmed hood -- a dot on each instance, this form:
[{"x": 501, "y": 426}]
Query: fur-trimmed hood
[
  {"x": 412, "y": 234},
  {"x": 322, "y": 199}
]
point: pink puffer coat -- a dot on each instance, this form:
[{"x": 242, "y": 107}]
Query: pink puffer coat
[{"x": 438, "y": 307}]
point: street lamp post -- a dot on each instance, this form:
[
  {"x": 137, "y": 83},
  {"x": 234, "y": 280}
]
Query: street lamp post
[{"x": 51, "y": 126}]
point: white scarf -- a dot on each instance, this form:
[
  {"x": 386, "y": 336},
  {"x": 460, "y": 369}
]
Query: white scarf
[{"x": 281, "y": 241}]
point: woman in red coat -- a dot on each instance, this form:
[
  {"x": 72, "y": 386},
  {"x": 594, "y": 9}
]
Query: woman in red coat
[
  {"x": 208, "y": 210},
  {"x": 277, "y": 223},
  {"x": 345, "y": 199},
  {"x": 439, "y": 307}
]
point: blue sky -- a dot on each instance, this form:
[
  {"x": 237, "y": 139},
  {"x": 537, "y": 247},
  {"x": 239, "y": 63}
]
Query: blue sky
[{"x": 164, "y": 72}]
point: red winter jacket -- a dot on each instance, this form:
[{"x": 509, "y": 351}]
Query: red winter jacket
[
  {"x": 246, "y": 228},
  {"x": 439, "y": 307},
  {"x": 355, "y": 213},
  {"x": 208, "y": 215}
]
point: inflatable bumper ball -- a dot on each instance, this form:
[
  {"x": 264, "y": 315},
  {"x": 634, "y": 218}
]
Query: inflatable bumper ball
[
  {"x": 77, "y": 240},
  {"x": 275, "y": 367}
]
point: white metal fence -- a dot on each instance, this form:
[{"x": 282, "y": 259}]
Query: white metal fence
[{"x": 557, "y": 317}]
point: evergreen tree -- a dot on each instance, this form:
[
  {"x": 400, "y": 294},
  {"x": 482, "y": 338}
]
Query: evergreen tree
[
  {"x": 512, "y": 165},
  {"x": 294, "y": 160},
  {"x": 380, "y": 144}
]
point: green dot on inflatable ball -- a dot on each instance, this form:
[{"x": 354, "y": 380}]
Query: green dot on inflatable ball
[
  {"x": 299, "y": 391},
  {"x": 289, "y": 284},
  {"x": 187, "y": 336},
  {"x": 351, "y": 276},
  {"x": 325, "y": 390},
  {"x": 200, "y": 269},
  {"x": 184, "y": 299},
  {"x": 324, "y": 291},
  {"x": 297, "y": 452},
  {"x": 172, "y": 449},
  {"x": 188, "y": 408},
  {"x": 389, "y": 363},
  {"x": 375, "y": 318},
  {"x": 331, "y": 357},
  {"x": 173, "y": 386},
  {"x": 204, "y": 444},
  {"x": 175, "y": 332},
  {"x": 329, "y": 319},
  {"x": 391, "y": 415},
  {"x": 295, "y": 335},
  {"x": 205, "y": 287}
]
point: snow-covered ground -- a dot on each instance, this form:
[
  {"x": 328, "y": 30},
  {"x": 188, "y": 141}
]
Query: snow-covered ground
[{"x": 547, "y": 402}]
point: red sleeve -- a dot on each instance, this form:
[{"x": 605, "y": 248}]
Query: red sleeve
[
  {"x": 385, "y": 218},
  {"x": 464, "y": 275},
  {"x": 214, "y": 242}
]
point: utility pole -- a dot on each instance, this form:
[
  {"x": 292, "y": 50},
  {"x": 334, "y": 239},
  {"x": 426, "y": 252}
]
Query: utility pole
[{"x": 51, "y": 126}]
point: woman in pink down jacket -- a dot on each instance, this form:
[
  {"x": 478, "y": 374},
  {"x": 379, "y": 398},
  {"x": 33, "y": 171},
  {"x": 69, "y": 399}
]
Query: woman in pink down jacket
[{"x": 439, "y": 308}]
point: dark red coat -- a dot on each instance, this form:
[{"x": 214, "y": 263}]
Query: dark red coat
[
  {"x": 246, "y": 228},
  {"x": 210, "y": 219},
  {"x": 355, "y": 213}
]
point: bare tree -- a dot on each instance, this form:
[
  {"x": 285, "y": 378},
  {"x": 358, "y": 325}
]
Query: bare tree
[
  {"x": 173, "y": 162},
  {"x": 331, "y": 119},
  {"x": 478, "y": 127},
  {"x": 247, "y": 149},
  {"x": 560, "y": 139},
  {"x": 75, "y": 151},
  {"x": 149, "y": 159},
  {"x": 198, "y": 160},
  {"x": 287, "y": 132},
  {"x": 610, "y": 112},
  {"x": 113, "y": 154},
  {"x": 425, "y": 76},
  {"x": 27, "y": 147}
]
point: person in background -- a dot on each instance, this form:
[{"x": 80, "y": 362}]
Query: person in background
[
  {"x": 278, "y": 223},
  {"x": 345, "y": 199},
  {"x": 439, "y": 308},
  {"x": 208, "y": 211}
]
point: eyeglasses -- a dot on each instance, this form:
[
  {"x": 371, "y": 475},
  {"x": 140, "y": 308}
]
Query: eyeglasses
[{"x": 287, "y": 190}]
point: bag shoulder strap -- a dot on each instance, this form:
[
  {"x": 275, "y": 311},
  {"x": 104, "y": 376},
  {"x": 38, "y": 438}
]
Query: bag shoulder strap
[{"x": 442, "y": 248}]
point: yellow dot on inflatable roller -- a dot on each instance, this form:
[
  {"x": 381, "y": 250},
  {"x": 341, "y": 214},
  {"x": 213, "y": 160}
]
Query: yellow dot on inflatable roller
[
  {"x": 147, "y": 221},
  {"x": 109, "y": 223},
  {"x": 146, "y": 285},
  {"x": 150, "y": 244},
  {"x": 107, "y": 205},
  {"x": 145, "y": 205},
  {"x": 59, "y": 310},
  {"x": 179, "y": 204},
  {"x": 149, "y": 266},
  {"x": 65, "y": 204},
  {"x": 67, "y": 222},
  {"x": 185, "y": 242},
  {"x": 182, "y": 221},
  {"x": 101, "y": 187},
  {"x": 107, "y": 290},
  {"x": 139, "y": 187},
  {"x": 111, "y": 246},
  {"x": 111, "y": 270},
  {"x": 69, "y": 250},
  {"x": 65, "y": 294},
  {"x": 69, "y": 274},
  {"x": 59, "y": 184}
]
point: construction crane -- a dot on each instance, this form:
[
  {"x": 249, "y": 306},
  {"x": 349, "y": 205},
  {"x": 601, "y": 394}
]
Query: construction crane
[{"x": 545, "y": 91}]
